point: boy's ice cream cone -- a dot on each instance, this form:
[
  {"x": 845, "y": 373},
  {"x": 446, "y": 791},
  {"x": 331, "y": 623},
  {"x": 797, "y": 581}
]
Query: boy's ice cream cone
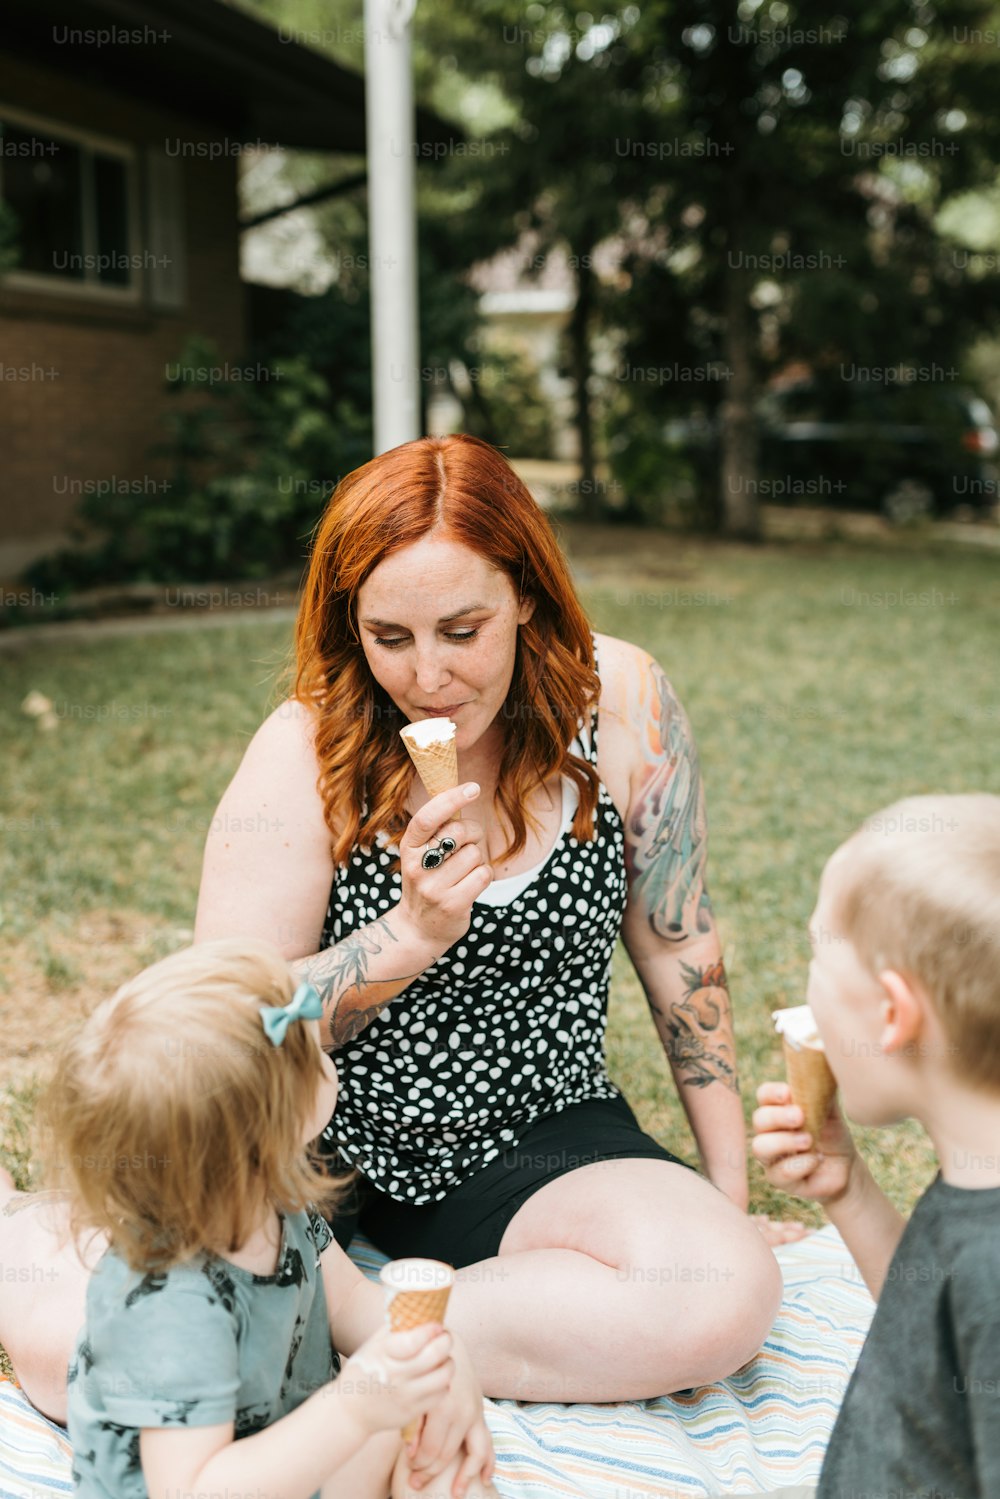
[
  {"x": 417, "y": 1292},
  {"x": 812, "y": 1083},
  {"x": 806, "y": 1067},
  {"x": 432, "y": 748}
]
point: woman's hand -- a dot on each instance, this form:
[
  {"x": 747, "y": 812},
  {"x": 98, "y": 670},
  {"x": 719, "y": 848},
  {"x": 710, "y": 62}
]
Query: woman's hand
[
  {"x": 457, "y": 1422},
  {"x": 818, "y": 1170},
  {"x": 436, "y": 904},
  {"x": 396, "y": 1377}
]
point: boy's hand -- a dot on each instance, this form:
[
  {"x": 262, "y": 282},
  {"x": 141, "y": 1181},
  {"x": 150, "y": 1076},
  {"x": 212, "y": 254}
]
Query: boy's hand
[
  {"x": 458, "y": 1421},
  {"x": 817, "y": 1170},
  {"x": 395, "y": 1377}
]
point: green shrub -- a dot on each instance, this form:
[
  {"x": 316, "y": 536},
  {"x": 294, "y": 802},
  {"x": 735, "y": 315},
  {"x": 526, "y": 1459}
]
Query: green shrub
[
  {"x": 249, "y": 465},
  {"x": 663, "y": 482},
  {"x": 502, "y": 399}
]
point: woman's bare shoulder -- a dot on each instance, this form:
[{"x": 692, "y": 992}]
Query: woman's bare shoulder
[
  {"x": 624, "y": 670},
  {"x": 289, "y": 729},
  {"x": 625, "y": 675},
  {"x": 268, "y": 862},
  {"x": 280, "y": 766}
]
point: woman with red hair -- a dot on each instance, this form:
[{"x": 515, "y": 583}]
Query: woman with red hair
[
  {"x": 466, "y": 1001},
  {"x": 462, "y": 943}
]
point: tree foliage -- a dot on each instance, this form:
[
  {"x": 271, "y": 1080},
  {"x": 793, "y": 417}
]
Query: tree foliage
[{"x": 757, "y": 185}]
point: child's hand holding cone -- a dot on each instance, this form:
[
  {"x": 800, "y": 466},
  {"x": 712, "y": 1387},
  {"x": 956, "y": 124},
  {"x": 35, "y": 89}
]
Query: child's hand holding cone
[
  {"x": 819, "y": 1171},
  {"x": 417, "y": 1293},
  {"x": 800, "y": 1137}
]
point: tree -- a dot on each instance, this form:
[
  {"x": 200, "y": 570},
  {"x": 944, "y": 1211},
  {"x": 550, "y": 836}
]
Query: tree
[
  {"x": 797, "y": 214},
  {"x": 771, "y": 183}
]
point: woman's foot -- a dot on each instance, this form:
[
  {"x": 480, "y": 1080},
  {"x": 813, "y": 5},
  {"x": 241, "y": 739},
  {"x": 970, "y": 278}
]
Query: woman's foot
[{"x": 775, "y": 1231}]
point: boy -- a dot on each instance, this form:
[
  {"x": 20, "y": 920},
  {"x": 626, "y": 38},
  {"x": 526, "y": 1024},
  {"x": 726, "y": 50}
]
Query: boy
[{"x": 904, "y": 986}]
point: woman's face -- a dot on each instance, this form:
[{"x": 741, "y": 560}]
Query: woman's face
[{"x": 438, "y": 625}]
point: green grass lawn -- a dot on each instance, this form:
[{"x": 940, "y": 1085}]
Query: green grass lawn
[{"x": 814, "y": 696}]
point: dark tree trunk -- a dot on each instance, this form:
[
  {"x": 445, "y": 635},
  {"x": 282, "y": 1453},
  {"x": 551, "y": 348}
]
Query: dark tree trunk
[
  {"x": 478, "y": 400},
  {"x": 738, "y": 506},
  {"x": 579, "y": 338}
]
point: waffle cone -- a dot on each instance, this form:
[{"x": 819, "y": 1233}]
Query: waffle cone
[
  {"x": 407, "y": 1309},
  {"x": 413, "y": 1308},
  {"x": 812, "y": 1083},
  {"x": 437, "y": 764}
]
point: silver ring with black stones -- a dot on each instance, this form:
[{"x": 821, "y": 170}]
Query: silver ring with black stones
[{"x": 436, "y": 854}]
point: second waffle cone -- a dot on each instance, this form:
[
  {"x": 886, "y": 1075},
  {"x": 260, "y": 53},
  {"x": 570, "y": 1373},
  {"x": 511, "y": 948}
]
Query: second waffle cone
[
  {"x": 414, "y": 1309},
  {"x": 812, "y": 1083}
]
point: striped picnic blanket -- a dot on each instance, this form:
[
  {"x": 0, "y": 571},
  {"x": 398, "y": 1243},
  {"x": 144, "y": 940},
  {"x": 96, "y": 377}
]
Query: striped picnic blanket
[{"x": 763, "y": 1431}]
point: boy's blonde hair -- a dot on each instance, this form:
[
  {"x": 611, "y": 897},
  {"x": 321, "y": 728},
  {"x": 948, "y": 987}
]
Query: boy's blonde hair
[
  {"x": 173, "y": 1120},
  {"x": 917, "y": 889}
]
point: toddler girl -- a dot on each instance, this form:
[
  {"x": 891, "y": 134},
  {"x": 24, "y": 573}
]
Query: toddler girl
[{"x": 178, "y": 1121}]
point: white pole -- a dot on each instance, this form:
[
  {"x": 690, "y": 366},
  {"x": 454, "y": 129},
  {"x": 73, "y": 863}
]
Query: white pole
[{"x": 392, "y": 230}]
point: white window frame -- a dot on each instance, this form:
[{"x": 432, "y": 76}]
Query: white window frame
[{"x": 89, "y": 289}]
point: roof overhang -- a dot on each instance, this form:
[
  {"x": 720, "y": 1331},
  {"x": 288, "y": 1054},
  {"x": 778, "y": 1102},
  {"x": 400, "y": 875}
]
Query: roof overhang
[{"x": 210, "y": 60}]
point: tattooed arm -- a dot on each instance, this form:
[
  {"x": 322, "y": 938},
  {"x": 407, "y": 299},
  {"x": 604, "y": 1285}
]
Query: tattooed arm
[
  {"x": 668, "y": 928},
  {"x": 357, "y": 978},
  {"x": 268, "y": 871}
]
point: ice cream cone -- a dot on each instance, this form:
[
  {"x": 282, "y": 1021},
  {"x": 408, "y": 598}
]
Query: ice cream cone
[
  {"x": 812, "y": 1083},
  {"x": 436, "y": 760},
  {"x": 415, "y": 1308},
  {"x": 417, "y": 1292}
]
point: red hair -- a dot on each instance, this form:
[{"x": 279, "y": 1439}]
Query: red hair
[{"x": 464, "y": 488}]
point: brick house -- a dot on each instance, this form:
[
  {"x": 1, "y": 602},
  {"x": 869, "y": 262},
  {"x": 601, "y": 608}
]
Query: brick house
[{"x": 122, "y": 126}]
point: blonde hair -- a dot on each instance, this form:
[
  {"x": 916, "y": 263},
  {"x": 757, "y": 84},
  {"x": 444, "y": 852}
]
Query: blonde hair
[
  {"x": 173, "y": 1120},
  {"x": 917, "y": 889}
]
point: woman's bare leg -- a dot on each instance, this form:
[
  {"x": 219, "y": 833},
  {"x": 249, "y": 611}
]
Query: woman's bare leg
[
  {"x": 621, "y": 1280},
  {"x": 43, "y": 1288}
]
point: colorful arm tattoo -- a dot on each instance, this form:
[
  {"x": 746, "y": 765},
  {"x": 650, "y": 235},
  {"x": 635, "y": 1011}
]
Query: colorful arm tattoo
[
  {"x": 665, "y": 855},
  {"x": 665, "y": 837},
  {"x": 697, "y": 1031}
]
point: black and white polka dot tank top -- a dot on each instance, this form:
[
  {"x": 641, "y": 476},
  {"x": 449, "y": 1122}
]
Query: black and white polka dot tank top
[{"x": 507, "y": 1026}]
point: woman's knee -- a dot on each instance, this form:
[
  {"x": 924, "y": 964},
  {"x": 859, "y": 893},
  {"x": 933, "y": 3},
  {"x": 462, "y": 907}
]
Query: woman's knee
[
  {"x": 706, "y": 1306},
  {"x": 743, "y": 1299}
]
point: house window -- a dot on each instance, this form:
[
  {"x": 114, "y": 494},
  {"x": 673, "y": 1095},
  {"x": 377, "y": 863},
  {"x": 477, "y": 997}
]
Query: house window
[{"x": 70, "y": 202}]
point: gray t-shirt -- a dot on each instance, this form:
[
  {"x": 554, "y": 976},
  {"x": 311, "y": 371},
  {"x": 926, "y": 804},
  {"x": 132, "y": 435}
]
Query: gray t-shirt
[
  {"x": 921, "y": 1417},
  {"x": 203, "y": 1343}
]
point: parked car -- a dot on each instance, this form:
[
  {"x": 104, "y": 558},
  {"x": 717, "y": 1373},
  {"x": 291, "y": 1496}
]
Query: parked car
[{"x": 906, "y": 450}]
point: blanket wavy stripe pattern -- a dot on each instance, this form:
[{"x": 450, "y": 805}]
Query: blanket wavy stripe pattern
[{"x": 763, "y": 1431}]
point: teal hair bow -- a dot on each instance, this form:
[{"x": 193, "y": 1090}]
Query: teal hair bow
[{"x": 305, "y": 1004}]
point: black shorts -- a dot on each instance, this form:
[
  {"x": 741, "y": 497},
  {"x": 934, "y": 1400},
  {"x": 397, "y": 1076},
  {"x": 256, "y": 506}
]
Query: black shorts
[{"x": 468, "y": 1224}]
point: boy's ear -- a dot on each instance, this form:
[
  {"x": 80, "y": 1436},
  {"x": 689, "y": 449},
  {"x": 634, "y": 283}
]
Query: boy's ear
[{"x": 904, "y": 1017}]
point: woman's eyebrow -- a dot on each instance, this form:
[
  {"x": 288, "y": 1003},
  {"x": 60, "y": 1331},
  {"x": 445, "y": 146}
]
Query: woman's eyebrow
[{"x": 390, "y": 624}]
